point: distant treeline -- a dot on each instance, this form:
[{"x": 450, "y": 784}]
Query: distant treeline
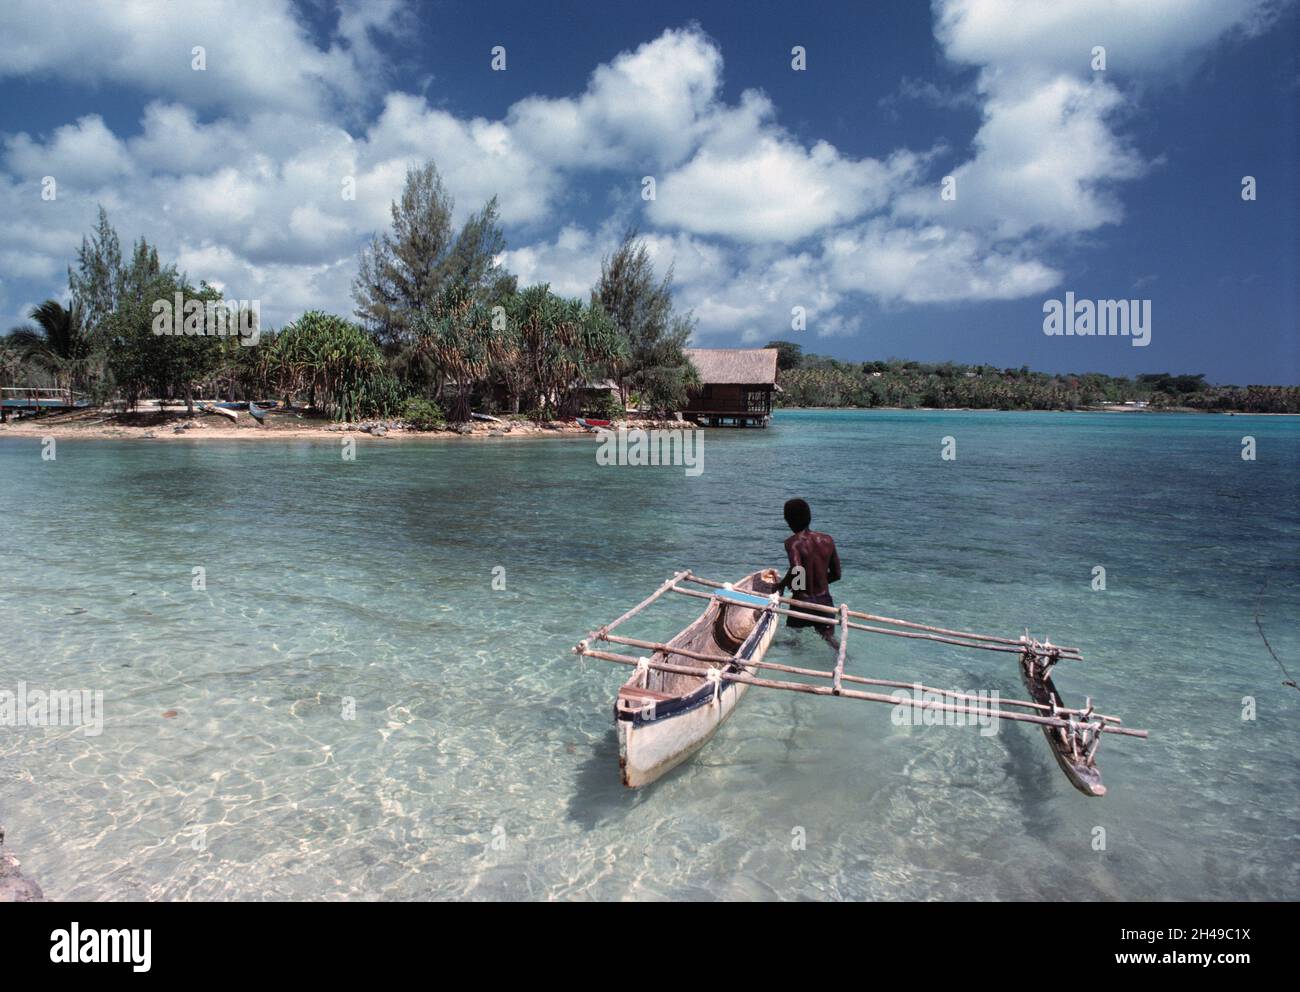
[
  {"x": 441, "y": 329},
  {"x": 814, "y": 380}
]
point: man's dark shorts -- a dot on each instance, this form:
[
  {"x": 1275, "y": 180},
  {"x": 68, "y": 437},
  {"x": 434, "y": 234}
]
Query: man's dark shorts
[{"x": 824, "y": 599}]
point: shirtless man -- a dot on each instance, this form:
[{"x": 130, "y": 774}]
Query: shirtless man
[{"x": 814, "y": 565}]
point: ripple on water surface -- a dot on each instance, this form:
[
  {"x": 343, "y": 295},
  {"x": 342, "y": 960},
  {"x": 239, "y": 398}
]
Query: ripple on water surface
[{"x": 479, "y": 760}]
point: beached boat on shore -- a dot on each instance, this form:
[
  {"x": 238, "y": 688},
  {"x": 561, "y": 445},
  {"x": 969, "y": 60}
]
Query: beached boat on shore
[
  {"x": 684, "y": 690},
  {"x": 245, "y": 404},
  {"x": 218, "y": 410}
]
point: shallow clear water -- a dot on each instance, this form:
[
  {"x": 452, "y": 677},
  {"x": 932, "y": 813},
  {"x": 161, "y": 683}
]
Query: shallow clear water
[{"x": 481, "y": 762}]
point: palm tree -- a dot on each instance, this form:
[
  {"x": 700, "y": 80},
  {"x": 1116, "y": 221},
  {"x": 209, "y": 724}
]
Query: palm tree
[{"x": 58, "y": 344}]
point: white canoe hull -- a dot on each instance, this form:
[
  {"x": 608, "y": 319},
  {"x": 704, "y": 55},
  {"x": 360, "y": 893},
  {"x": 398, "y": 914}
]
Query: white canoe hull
[{"x": 651, "y": 745}]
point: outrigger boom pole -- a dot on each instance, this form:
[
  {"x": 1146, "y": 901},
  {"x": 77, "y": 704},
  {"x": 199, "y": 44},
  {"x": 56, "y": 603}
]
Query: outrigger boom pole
[
  {"x": 872, "y": 697},
  {"x": 688, "y": 577},
  {"x": 1073, "y": 734},
  {"x": 722, "y": 659}
]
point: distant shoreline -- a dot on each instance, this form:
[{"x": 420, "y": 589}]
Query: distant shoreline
[
  {"x": 174, "y": 425},
  {"x": 992, "y": 409},
  {"x": 97, "y": 426}
]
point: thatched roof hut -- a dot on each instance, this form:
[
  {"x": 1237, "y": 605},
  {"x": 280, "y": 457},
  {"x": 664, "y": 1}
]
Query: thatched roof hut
[
  {"x": 736, "y": 386},
  {"x": 735, "y": 366}
]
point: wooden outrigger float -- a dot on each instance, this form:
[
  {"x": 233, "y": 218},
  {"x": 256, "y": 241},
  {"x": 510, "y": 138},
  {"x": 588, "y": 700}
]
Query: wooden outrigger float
[{"x": 686, "y": 688}]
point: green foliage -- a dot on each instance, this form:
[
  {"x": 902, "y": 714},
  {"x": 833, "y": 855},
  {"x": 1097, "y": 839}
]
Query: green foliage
[
  {"x": 402, "y": 275},
  {"x": 788, "y": 354},
  {"x": 13, "y": 361},
  {"x": 382, "y": 395},
  {"x": 821, "y": 381},
  {"x": 454, "y": 339},
  {"x": 559, "y": 344},
  {"x": 1172, "y": 385},
  {"x": 1256, "y": 399},
  {"x": 606, "y": 407},
  {"x": 641, "y": 308},
  {"x": 336, "y": 363},
  {"x": 665, "y": 388},
  {"x": 97, "y": 283},
  {"x": 141, "y": 360},
  {"x": 59, "y": 345},
  {"x": 256, "y": 369},
  {"x": 422, "y": 414}
]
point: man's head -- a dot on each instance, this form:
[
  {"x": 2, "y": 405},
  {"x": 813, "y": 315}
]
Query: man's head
[{"x": 797, "y": 515}]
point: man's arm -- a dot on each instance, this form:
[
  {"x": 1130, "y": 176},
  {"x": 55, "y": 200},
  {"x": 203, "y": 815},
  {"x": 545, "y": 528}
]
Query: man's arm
[
  {"x": 796, "y": 563},
  {"x": 833, "y": 566}
]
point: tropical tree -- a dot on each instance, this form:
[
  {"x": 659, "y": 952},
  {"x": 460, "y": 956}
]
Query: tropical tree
[
  {"x": 665, "y": 375},
  {"x": 788, "y": 354},
  {"x": 401, "y": 275},
  {"x": 96, "y": 284},
  {"x": 641, "y": 307},
  {"x": 511, "y": 366},
  {"x": 59, "y": 344},
  {"x": 144, "y": 360},
  {"x": 560, "y": 344},
  {"x": 455, "y": 341},
  {"x": 252, "y": 370},
  {"x": 337, "y": 364},
  {"x": 823, "y": 381},
  {"x": 12, "y": 360},
  {"x": 588, "y": 342}
]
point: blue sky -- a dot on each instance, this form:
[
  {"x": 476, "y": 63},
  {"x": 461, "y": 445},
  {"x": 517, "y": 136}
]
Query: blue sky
[{"x": 774, "y": 189}]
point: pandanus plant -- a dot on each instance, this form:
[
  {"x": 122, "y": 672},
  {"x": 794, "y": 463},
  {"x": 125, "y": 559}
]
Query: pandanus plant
[
  {"x": 455, "y": 340},
  {"x": 330, "y": 358},
  {"x": 560, "y": 342}
]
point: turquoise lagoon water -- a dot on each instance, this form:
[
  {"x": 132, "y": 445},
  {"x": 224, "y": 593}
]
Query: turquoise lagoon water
[{"x": 481, "y": 761}]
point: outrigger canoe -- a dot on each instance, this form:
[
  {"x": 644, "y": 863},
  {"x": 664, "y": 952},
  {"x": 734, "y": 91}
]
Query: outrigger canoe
[
  {"x": 664, "y": 717},
  {"x": 686, "y": 688},
  {"x": 1073, "y": 751}
]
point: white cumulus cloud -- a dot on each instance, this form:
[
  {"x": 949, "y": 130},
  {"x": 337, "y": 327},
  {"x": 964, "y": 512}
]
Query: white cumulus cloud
[
  {"x": 237, "y": 172},
  {"x": 255, "y": 55}
]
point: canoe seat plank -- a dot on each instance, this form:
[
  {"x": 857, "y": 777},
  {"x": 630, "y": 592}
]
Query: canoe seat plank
[{"x": 644, "y": 693}]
